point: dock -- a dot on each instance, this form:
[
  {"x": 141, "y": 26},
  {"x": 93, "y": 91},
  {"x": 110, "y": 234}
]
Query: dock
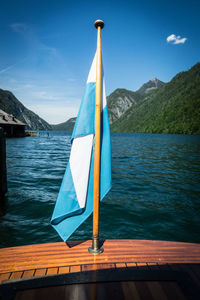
[
  {"x": 11, "y": 126},
  {"x": 157, "y": 269},
  {"x": 3, "y": 170}
]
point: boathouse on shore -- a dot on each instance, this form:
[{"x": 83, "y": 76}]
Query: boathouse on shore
[{"x": 12, "y": 127}]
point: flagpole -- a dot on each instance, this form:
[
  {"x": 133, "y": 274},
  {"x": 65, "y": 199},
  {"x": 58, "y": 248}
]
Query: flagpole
[{"x": 95, "y": 248}]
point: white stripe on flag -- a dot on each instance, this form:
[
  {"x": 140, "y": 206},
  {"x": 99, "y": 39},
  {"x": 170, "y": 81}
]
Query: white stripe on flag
[
  {"x": 92, "y": 78},
  {"x": 103, "y": 97},
  {"x": 92, "y": 73},
  {"x": 80, "y": 158}
]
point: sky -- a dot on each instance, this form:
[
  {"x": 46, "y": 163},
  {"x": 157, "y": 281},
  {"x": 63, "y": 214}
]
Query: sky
[{"x": 47, "y": 47}]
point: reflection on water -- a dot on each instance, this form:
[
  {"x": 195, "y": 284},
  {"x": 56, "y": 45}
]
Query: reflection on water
[{"x": 155, "y": 190}]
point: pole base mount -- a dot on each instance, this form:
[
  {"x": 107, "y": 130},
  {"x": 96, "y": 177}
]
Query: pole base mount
[{"x": 95, "y": 251}]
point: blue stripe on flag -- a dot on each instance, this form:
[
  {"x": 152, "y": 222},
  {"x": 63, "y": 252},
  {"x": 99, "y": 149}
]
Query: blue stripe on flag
[
  {"x": 105, "y": 177},
  {"x": 85, "y": 119},
  {"x": 63, "y": 208},
  {"x": 69, "y": 225}
]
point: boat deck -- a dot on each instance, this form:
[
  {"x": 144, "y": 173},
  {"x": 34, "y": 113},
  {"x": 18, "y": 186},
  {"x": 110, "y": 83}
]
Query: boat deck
[{"x": 157, "y": 269}]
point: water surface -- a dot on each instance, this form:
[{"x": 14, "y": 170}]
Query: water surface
[{"x": 155, "y": 190}]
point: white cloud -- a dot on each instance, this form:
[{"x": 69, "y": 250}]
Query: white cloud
[
  {"x": 44, "y": 95},
  {"x": 176, "y": 39},
  {"x": 6, "y": 69},
  {"x": 180, "y": 41},
  {"x": 53, "y": 113},
  {"x": 171, "y": 38},
  {"x": 30, "y": 36},
  {"x": 19, "y": 27}
]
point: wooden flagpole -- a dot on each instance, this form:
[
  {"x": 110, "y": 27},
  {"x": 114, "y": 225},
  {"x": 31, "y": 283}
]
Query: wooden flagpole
[{"x": 96, "y": 249}]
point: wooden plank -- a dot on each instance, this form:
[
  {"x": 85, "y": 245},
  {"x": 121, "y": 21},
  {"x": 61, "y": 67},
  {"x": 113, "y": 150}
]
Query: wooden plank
[
  {"x": 174, "y": 267},
  {"x": 4, "y": 276},
  {"x": 143, "y": 290},
  {"x": 126, "y": 291},
  {"x": 92, "y": 267},
  {"x": 25, "y": 295},
  {"x": 52, "y": 271},
  {"x": 107, "y": 290},
  {"x": 115, "y": 251},
  {"x": 120, "y": 265},
  {"x": 16, "y": 275},
  {"x": 156, "y": 290},
  {"x": 188, "y": 268},
  {"x": 134, "y": 290},
  {"x": 137, "y": 288},
  {"x": 75, "y": 269},
  {"x": 131, "y": 265},
  {"x": 142, "y": 266},
  {"x": 49, "y": 293},
  {"x": 172, "y": 290},
  {"x": 106, "y": 266},
  {"x": 153, "y": 266},
  {"x": 63, "y": 270},
  {"x": 40, "y": 272},
  {"x": 196, "y": 271},
  {"x": 28, "y": 273}
]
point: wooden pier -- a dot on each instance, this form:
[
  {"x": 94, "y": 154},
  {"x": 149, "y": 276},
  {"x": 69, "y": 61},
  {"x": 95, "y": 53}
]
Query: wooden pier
[
  {"x": 11, "y": 126},
  {"x": 157, "y": 269},
  {"x": 3, "y": 172}
]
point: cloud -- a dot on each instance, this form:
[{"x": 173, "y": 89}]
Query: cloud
[
  {"x": 173, "y": 39},
  {"x": 37, "y": 48},
  {"x": 6, "y": 69},
  {"x": 54, "y": 113},
  {"x": 19, "y": 27},
  {"x": 11, "y": 66},
  {"x": 45, "y": 95}
]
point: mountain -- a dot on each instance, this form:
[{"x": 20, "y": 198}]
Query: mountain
[
  {"x": 152, "y": 84},
  {"x": 10, "y": 104},
  {"x": 121, "y": 99},
  {"x": 171, "y": 108},
  {"x": 119, "y": 102},
  {"x": 67, "y": 126}
]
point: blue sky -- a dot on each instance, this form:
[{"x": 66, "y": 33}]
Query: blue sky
[{"x": 47, "y": 47}]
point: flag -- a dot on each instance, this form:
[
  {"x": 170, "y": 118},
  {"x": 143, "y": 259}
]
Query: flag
[{"x": 75, "y": 199}]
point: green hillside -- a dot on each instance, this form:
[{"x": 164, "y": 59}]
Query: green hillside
[
  {"x": 11, "y": 105},
  {"x": 173, "y": 108},
  {"x": 66, "y": 126}
]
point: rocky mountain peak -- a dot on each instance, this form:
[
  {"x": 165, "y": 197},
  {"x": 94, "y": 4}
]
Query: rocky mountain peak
[
  {"x": 154, "y": 79},
  {"x": 154, "y": 83}
]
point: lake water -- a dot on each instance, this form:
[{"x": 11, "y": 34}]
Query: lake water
[{"x": 155, "y": 190}]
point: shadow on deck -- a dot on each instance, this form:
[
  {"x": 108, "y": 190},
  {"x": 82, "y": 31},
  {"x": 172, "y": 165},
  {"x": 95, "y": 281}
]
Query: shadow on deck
[{"x": 122, "y": 281}]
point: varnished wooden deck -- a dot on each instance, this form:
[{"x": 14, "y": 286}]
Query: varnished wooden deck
[
  {"x": 56, "y": 258},
  {"x": 34, "y": 261}
]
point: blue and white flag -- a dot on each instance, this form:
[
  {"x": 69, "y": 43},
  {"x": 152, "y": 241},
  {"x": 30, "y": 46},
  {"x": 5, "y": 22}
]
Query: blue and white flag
[{"x": 75, "y": 199}]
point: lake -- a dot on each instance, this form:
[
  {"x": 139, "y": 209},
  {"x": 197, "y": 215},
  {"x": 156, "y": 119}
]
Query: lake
[{"x": 155, "y": 189}]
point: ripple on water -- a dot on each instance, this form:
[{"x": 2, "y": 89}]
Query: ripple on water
[{"x": 155, "y": 190}]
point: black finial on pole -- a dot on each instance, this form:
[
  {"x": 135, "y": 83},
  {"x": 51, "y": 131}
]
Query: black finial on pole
[{"x": 98, "y": 23}]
